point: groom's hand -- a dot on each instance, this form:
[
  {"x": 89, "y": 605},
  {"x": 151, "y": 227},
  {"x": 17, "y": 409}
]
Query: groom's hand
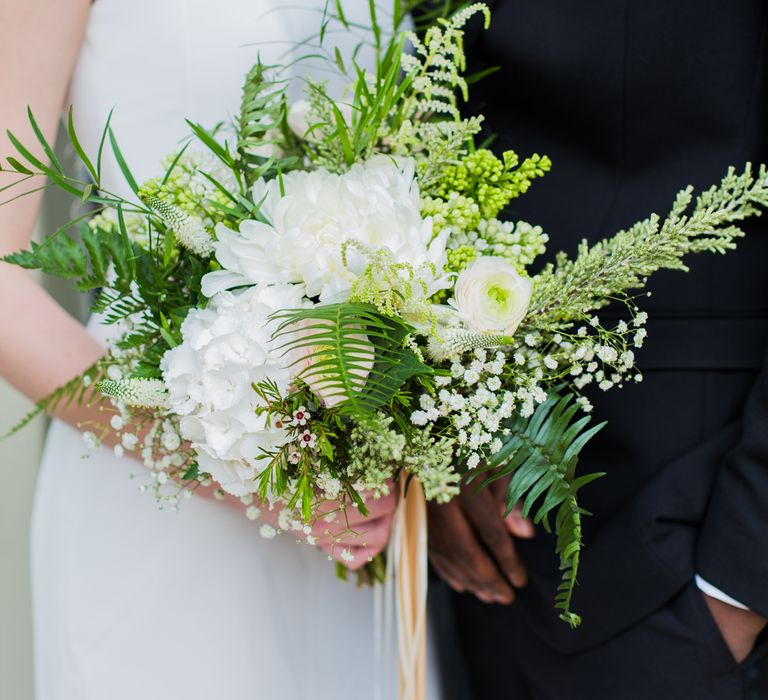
[
  {"x": 471, "y": 545},
  {"x": 740, "y": 628}
]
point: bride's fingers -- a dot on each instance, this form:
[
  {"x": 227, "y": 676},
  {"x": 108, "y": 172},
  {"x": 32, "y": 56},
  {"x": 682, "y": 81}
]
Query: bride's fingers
[
  {"x": 352, "y": 558},
  {"x": 375, "y": 508},
  {"x": 372, "y": 535}
]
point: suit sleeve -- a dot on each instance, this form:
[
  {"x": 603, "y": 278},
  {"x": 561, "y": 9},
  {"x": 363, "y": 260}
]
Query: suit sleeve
[{"x": 732, "y": 552}]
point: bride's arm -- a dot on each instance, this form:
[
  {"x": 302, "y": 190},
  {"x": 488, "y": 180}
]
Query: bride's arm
[{"x": 42, "y": 347}]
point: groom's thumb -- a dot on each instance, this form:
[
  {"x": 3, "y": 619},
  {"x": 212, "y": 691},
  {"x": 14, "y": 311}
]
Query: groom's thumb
[{"x": 519, "y": 526}]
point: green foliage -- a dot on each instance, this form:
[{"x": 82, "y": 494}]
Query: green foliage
[
  {"x": 540, "y": 454},
  {"x": 435, "y": 69},
  {"x": 353, "y": 353},
  {"x": 263, "y": 122},
  {"x": 86, "y": 261},
  {"x": 572, "y": 288},
  {"x": 484, "y": 180}
]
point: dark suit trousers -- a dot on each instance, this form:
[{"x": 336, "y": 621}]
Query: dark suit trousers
[{"x": 676, "y": 653}]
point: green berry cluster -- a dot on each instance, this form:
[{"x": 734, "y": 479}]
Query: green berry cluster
[
  {"x": 135, "y": 224},
  {"x": 457, "y": 212},
  {"x": 519, "y": 242},
  {"x": 489, "y": 181},
  {"x": 187, "y": 189},
  {"x": 459, "y": 258}
]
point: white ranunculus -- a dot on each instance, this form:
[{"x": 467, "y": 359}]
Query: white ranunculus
[
  {"x": 375, "y": 203},
  {"x": 491, "y": 296},
  {"x": 226, "y": 348}
]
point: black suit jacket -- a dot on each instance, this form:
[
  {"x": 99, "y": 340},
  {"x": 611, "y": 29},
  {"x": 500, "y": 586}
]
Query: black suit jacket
[{"x": 632, "y": 100}]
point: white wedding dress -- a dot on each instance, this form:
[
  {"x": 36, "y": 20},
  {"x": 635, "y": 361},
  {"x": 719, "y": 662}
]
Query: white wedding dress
[{"x": 134, "y": 603}]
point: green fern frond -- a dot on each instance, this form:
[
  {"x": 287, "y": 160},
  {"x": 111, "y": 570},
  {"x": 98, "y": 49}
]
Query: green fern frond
[
  {"x": 263, "y": 115},
  {"x": 85, "y": 260},
  {"x": 436, "y": 66},
  {"x": 541, "y": 454},
  {"x": 351, "y": 352}
]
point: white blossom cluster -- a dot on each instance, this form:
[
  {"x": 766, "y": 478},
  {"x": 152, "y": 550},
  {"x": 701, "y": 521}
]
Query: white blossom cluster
[
  {"x": 227, "y": 348},
  {"x": 591, "y": 354},
  {"x": 476, "y": 401}
]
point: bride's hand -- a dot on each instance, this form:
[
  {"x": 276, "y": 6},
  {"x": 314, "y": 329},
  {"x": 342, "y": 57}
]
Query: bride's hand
[{"x": 352, "y": 538}]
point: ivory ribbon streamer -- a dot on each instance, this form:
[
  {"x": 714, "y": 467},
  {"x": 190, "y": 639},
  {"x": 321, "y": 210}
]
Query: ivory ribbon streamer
[{"x": 408, "y": 553}]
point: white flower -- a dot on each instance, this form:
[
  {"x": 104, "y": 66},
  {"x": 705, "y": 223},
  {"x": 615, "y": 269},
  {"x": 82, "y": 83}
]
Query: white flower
[
  {"x": 252, "y": 513},
  {"x": 471, "y": 376},
  {"x": 226, "y": 348},
  {"x": 307, "y": 440},
  {"x": 300, "y": 416},
  {"x": 491, "y": 296},
  {"x": 493, "y": 383},
  {"x": 550, "y": 362},
  {"x": 607, "y": 353},
  {"x": 376, "y": 204},
  {"x": 419, "y": 418},
  {"x": 267, "y": 532},
  {"x": 142, "y": 393},
  {"x": 129, "y": 441},
  {"x": 299, "y": 118},
  {"x": 171, "y": 441}
]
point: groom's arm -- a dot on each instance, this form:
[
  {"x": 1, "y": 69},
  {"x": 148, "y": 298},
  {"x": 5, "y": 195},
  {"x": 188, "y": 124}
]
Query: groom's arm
[{"x": 732, "y": 552}]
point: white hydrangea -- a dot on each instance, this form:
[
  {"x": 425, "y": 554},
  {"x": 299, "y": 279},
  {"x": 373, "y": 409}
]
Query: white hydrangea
[
  {"x": 375, "y": 203},
  {"x": 226, "y": 348}
]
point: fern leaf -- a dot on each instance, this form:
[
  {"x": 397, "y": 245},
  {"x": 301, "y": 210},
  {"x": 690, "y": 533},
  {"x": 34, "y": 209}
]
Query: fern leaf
[
  {"x": 352, "y": 355},
  {"x": 540, "y": 455},
  {"x": 263, "y": 112}
]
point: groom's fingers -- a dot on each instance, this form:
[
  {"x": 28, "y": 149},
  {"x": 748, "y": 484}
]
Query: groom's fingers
[
  {"x": 517, "y": 524},
  {"x": 483, "y": 513},
  {"x": 459, "y": 555},
  {"x": 447, "y": 573}
]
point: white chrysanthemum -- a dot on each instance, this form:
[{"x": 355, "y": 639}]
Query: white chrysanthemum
[
  {"x": 226, "y": 348},
  {"x": 375, "y": 203}
]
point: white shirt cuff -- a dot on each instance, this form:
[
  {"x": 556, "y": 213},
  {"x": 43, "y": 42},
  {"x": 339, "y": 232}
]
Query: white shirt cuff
[{"x": 716, "y": 593}]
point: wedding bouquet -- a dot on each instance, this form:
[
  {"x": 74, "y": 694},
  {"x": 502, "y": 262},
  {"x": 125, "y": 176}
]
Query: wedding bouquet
[{"x": 323, "y": 299}]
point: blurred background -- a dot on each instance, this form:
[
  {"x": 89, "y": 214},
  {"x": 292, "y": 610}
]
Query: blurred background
[{"x": 19, "y": 457}]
